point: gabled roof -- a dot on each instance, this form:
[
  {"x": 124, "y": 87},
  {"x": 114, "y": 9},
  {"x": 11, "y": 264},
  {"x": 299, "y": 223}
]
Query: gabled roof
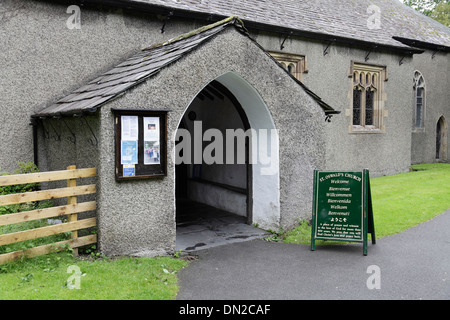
[
  {"x": 140, "y": 67},
  {"x": 345, "y": 20}
]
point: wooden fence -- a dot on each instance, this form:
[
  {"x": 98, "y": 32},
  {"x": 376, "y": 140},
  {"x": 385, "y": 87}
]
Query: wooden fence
[{"x": 70, "y": 210}]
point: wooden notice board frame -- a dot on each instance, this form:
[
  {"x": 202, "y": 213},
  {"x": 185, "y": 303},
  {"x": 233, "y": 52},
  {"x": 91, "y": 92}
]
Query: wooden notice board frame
[
  {"x": 146, "y": 137},
  {"x": 342, "y": 207}
]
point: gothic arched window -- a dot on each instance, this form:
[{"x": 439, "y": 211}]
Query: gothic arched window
[
  {"x": 419, "y": 100},
  {"x": 294, "y": 64},
  {"x": 367, "y": 109}
]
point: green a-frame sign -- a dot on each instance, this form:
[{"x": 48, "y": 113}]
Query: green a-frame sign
[{"x": 342, "y": 207}]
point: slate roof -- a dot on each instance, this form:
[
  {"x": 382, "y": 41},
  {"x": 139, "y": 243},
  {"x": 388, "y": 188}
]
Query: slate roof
[
  {"x": 140, "y": 67},
  {"x": 346, "y": 19}
]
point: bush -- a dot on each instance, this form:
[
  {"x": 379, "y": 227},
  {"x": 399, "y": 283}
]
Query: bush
[{"x": 23, "y": 167}]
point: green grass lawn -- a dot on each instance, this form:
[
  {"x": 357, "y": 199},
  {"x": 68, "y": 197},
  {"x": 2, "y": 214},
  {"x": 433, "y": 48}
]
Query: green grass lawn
[
  {"x": 50, "y": 277},
  {"x": 399, "y": 201}
]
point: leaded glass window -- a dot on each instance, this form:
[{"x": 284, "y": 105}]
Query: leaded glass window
[
  {"x": 356, "y": 105},
  {"x": 294, "y": 64},
  {"x": 366, "y": 96},
  {"x": 419, "y": 99},
  {"x": 369, "y": 107}
]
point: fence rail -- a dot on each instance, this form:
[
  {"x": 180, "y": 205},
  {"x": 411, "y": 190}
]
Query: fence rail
[{"x": 70, "y": 210}]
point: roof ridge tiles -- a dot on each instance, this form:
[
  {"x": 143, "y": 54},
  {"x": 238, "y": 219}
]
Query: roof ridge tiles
[{"x": 221, "y": 23}]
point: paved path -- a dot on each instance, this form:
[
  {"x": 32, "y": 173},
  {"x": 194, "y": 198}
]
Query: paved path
[{"x": 414, "y": 264}]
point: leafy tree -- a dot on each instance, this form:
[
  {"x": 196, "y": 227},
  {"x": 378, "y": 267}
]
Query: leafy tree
[
  {"x": 441, "y": 13},
  {"x": 439, "y": 10},
  {"x": 424, "y": 6}
]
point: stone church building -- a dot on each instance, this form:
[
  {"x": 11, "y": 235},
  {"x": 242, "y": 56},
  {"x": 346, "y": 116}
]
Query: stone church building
[{"x": 231, "y": 104}]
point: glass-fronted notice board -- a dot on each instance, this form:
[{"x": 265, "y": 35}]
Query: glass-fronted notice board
[
  {"x": 342, "y": 207},
  {"x": 141, "y": 143}
]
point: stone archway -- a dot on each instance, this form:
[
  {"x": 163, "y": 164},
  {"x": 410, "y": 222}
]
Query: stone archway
[
  {"x": 265, "y": 193},
  {"x": 241, "y": 174}
]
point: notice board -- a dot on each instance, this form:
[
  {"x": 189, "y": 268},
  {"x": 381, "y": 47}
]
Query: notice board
[
  {"x": 342, "y": 207},
  {"x": 140, "y": 144}
]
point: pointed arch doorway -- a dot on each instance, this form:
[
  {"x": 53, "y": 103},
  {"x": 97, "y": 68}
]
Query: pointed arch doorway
[
  {"x": 441, "y": 139},
  {"x": 219, "y": 177}
]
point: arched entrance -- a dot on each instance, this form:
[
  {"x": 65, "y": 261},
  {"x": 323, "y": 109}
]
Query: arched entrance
[
  {"x": 227, "y": 157},
  {"x": 441, "y": 139}
]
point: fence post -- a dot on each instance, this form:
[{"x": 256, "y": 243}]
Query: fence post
[{"x": 70, "y": 201}]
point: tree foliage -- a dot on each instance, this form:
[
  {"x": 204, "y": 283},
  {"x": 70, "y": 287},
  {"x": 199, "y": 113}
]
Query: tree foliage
[
  {"x": 439, "y": 10},
  {"x": 441, "y": 13}
]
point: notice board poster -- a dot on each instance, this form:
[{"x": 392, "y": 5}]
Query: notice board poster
[
  {"x": 129, "y": 140},
  {"x": 151, "y": 140},
  {"x": 129, "y": 152},
  {"x": 130, "y": 128},
  {"x": 342, "y": 207}
]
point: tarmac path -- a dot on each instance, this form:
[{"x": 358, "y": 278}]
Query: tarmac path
[{"x": 414, "y": 264}]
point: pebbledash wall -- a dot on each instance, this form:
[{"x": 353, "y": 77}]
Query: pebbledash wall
[
  {"x": 43, "y": 60},
  {"x": 139, "y": 217}
]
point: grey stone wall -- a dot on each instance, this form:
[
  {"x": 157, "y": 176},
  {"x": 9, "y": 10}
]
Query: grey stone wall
[
  {"x": 381, "y": 153},
  {"x": 66, "y": 142},
  {"x": 436, "y": 72}
]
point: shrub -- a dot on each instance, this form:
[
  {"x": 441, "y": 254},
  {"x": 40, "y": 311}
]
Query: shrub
[{"x": 23, "y": 167}]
